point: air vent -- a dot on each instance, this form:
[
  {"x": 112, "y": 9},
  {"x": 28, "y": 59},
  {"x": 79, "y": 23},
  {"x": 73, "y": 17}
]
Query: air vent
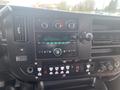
[
  {"x": 104, "y": 24},
  {"x": 106, "y": 41},
  {"x": 19, "y": 29}
]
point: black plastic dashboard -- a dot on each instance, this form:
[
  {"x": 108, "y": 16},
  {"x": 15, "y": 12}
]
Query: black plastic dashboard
[{"x": 46, "y": 45}]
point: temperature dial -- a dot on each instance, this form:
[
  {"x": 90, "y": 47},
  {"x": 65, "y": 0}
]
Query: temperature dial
[
  {"x": 57, "y": 52},
  {"x": 44, "y": 25},
  {"x": 58, "y": 25},
  {"x": 72, "y": 25}
]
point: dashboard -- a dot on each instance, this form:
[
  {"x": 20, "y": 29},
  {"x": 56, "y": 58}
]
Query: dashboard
[{"x": 45, "y": 45}]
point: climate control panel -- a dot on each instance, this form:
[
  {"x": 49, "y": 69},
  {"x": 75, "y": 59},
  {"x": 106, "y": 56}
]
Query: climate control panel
[
  {"x": 58, "y": 70},
  {"x": 57, "y": 25}
]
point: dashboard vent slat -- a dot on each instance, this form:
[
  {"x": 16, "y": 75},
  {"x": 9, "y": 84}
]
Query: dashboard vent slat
[
  {"x": 106, "y": 41},
  {"x": 19, "y": 29}
]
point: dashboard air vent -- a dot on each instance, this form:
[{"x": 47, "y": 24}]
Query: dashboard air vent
[
  {"x": 19, "y": 29},
  {"x": 106, "y": 41}
]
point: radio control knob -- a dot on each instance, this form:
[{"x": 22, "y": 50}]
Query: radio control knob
[
  {"x": 85, "y": 36},
  {"x": 57, "y": 52},
  {"x": 89, "y": 36}
]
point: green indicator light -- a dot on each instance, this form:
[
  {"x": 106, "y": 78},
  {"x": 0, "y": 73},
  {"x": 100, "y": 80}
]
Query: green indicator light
[
  {"x": 55, "y": 42},
  {"x": 48, "y": 42},
  {"x": 51, "y": 43},
  {"x": 59, "y": 42},
  {"x": 63, "y": 42}
]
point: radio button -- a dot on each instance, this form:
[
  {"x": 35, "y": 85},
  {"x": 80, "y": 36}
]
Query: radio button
[
  {"x": 67, "y": 72},
  {"x": 62, "y": 72},
  {"x": 56, "y": 72},
  {"x": 51, "y": 73},
  {"x": 51, "y": 68},
  {"x": 50, "y": 51},
  {"x": 64, "y": 51},
  {"x": 39, "y": 74},
  {"x": 56, "y": 68},
  {"x": 62, "y": 68},
  {"x": 39, "y": 69},
  {"x": 57, "y": 52},
  {"x": 44, "y": 51},
  {"x": 67, "y": 67}
]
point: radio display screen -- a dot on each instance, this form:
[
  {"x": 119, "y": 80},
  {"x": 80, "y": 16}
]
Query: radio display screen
[{"x": 55, "y": 38}]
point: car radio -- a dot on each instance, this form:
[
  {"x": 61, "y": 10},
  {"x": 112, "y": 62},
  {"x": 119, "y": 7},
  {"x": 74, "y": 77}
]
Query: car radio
[{"x": 56, "y": 45}]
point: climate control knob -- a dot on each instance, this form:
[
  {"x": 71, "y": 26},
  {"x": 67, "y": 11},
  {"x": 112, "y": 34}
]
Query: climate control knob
[
  {"x": 44, "y": 25},
  {"x": 58, "y": 25},
  {"x": 57, "y": 51},
  {"x": 72, "y": 25}
]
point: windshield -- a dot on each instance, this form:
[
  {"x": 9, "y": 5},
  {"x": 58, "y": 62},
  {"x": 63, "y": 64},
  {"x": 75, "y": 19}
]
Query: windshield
[{"x": 88, "y": 6}]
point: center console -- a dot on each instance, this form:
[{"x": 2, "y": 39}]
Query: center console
[{"x": 43, "y": 47}]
